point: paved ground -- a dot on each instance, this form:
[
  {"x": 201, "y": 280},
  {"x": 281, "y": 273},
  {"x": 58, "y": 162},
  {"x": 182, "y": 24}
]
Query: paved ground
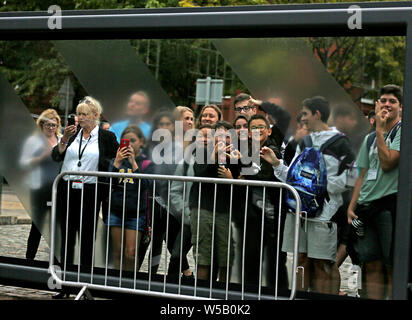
[
  {"x": 15, "y": 225},
  {"x": 14, "y": 229}
]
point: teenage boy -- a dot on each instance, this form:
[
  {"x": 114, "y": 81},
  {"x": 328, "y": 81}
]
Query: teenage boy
[
  {"x": 248, "y": 106},
  {"x": 373, "y": 206},
  {"x": 257, "y": 200},
  {"x": 318, "y": 235}
]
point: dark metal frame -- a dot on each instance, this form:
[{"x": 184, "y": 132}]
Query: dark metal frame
[{"x": 379, "y": 18}]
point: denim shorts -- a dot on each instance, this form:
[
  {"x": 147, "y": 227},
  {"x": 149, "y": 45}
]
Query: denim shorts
[
  {"x": 377, "y": 243},
  {"x": 129, "y": 223}
]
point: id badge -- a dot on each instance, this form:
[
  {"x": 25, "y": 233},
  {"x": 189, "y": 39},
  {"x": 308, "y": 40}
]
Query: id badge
[
  {"x": 351, "y": 177},
  {"x": 77, "y": 185},
  {"x": 372, "y": 174}
]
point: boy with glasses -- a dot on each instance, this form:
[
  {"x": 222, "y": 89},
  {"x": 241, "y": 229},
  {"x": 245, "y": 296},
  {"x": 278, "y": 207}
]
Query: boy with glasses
[{"x": 260, "y": 242}]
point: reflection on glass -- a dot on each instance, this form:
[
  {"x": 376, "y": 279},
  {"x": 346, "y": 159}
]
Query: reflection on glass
[
  {"x": 23, "y": 144},
  {"x": 39, "y": 171},
  {"x": 286, "y": 72},
  {"x": 112, "y": 72}
]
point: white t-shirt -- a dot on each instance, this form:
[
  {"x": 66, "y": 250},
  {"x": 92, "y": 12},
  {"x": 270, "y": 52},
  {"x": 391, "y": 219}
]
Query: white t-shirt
[{"x": 87, "y": 156}]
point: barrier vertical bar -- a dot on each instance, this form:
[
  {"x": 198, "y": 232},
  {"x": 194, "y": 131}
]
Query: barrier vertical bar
[
  {"x": 108, "y": 231},
  {"x": 52, "y": 225},
  {"x": 67, "y": 227},
  {"x": 229, "y": 242},
  {"x": 295, "y": 246},
  {"x": 151, "y": 236},
  {"x": 122, "y": 234},
  {"x": 278, "y": 244},
  {"x": 182, "y": 235},
  {"x": 137, "y": 243},
  {"x": 212, "y": 252},
  {"x": 167, "y": 234},
  {"x": 262, "y": 230},
  {"x": 94, "y": 229},
  {"x": 197, "y": 236},
  {"x": 244, "y": 243},
  {"x": 81, "y": 228}
]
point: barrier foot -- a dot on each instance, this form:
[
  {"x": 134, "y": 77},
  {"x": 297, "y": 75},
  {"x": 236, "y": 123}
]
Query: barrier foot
[{"x": 85, "y": 293}]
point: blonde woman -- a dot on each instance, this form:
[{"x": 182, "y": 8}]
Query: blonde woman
[
  {"x": 42, "y": 170},
  {"x": 186, "y": 115},
  {"x": 83, "y": 148}
]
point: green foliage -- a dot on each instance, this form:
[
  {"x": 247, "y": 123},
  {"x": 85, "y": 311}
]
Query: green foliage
[
  {"x": 354, "y": 61},
  {"x": 36, "y": 71}
]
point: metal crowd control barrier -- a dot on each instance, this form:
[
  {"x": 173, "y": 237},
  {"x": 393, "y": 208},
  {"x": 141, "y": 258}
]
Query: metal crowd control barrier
[{"x": 117, "y": 280}]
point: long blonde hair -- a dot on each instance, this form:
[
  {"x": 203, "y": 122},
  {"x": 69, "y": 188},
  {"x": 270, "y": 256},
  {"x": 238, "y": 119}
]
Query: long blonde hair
[{"x": 179, "y": 111}]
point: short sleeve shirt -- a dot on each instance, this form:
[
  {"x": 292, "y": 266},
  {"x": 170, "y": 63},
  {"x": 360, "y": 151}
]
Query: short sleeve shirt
[{"x": 377, "y": 183}]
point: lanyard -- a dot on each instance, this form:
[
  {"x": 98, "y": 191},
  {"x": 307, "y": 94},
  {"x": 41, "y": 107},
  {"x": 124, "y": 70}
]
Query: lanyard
[{"x": 79, "y": 164}]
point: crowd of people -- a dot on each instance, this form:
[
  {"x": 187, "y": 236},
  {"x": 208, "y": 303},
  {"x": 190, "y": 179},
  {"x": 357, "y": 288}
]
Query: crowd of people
[{"x": 344, "y": 218}]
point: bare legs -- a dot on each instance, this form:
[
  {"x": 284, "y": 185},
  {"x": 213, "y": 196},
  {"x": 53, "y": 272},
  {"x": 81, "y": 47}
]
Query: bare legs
[
  {"x": 130, "y": 250},
  {"x": 317, "y": 275}
]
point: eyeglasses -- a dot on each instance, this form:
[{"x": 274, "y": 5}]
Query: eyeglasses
[
  {"x": 391, "y": 101},
  {"x": 258, "y": 127},
  {"x": 50, "y": 125},
  {"x": 241, "y": 126},
  {"x": 245, "y": 108}
]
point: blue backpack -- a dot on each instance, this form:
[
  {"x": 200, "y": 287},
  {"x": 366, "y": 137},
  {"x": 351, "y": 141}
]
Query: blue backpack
[{"x": 308, "y": 175}]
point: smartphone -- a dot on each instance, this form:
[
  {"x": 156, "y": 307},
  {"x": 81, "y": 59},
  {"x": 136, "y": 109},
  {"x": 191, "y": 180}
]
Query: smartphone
[
  {"x": 124, "y": 143},
  {"x": 71, "y": 120}
]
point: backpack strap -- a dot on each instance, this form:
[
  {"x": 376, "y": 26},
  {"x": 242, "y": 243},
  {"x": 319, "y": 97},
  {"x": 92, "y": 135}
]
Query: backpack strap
[
  {"x": 370, "y": 140},
  {"x": 326, "y": 145},
  {"x": 372, "y": 136},
  {"x": 330, "y": 141},
  {"x": 305, "y": 142},
  {"x": 395, "y": 130}
]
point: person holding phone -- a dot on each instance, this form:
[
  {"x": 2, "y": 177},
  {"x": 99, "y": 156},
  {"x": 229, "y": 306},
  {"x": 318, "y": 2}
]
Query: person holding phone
[
  {"x": 123, "y": 225},
  {"x": 72, "y": 120},
  {"x": 82, "y": 148}
]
